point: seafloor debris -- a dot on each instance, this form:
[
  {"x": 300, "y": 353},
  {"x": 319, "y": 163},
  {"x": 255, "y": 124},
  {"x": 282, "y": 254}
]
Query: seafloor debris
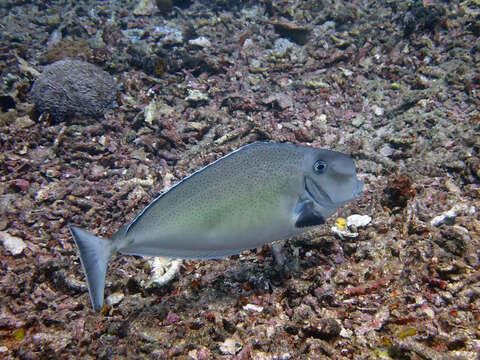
[
  {"x": 398, "y": 191},
  {"x": 448, "y": 217},
  {"x": 196, "y": 96},
  {"x": 358, "y": 220},
  {"x": 346, "y": 228},
  {"x": 296, "y": 33},
  {"x": 423, "y": 15},
  {"x": 163, "y": 271}
]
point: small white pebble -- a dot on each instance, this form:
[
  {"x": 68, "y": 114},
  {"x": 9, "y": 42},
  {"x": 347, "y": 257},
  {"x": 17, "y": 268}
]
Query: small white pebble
[
  {"x": 448, "y": 216},
  {"x": 201, "y": 41},
  {"x": 168, "y": 178},
  {"x": 346, "y": 333},
  {"x": 115, "y": 298},
  {"x": 452, "y": 187},
  {"x": 229, "y": 347},
  {"x": 255, "y": 63},
  {"x": 12, "y": 243},
  {"x": 419, "y": 300},
  {"x": 248, "y": 43},
  {"x": 377, "y": 110},
  {"x": 358, "y": 121},
  {"x": 423, "y": 102},
  {"x": 102, "y": 140},
  {"x": 253, "y": 307},
  {"x": 346, "y": 72},
  {"x": 386, "y": 150},
  {"x": 460, "y": 229},
  {"x": 196, "y": 96},
  {"x": 322, "y": 118},
  {"x": 358, "y": 220},
  {"x": 429, "y": 312}
]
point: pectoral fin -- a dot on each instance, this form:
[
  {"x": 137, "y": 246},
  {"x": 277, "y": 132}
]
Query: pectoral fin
[{"x": 307, "y": 216}]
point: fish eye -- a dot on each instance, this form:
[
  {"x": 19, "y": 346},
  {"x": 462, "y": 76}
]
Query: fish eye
[{"x": 319, "y": 167}]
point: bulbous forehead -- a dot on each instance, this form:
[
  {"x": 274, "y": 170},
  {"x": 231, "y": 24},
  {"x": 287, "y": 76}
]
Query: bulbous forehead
[{"x": 339, "y": 162}]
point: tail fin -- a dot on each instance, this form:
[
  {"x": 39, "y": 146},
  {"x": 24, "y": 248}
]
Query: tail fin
[{"x": 95, "y": 253}]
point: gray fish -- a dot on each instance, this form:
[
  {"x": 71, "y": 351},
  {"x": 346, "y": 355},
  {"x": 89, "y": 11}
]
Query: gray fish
[{"x": 257, "y": 194}]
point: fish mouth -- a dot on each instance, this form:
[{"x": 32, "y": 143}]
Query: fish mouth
[
  {"x": 317, "y": 194},
  {"x": 321, "y": 197}
]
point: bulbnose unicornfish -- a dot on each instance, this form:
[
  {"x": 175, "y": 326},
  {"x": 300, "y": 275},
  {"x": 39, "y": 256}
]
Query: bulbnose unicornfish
[{"x": 257, "y": 194}]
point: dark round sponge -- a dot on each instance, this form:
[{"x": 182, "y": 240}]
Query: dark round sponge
[{"x": 72, "y": 87}]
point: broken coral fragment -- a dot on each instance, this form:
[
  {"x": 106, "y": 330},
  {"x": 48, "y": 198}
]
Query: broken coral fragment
[
  {"x": 163, "y": 271},
  {"x": 448, "y": 217},
  {"x": 358, "y": 220},
  {"x": 196, "y": 96}
]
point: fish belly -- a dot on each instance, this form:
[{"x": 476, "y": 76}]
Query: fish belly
[{"x": 214, "y": 234}]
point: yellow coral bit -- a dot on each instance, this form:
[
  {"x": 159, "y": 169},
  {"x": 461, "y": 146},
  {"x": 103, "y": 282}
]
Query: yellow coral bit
[
  {"x": 19, "y": 334},
  {"x": 341, "y": 223}
]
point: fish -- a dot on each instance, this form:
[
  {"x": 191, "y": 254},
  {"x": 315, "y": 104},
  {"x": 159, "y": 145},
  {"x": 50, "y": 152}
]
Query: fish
[{"x": 257, "y": 194}]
